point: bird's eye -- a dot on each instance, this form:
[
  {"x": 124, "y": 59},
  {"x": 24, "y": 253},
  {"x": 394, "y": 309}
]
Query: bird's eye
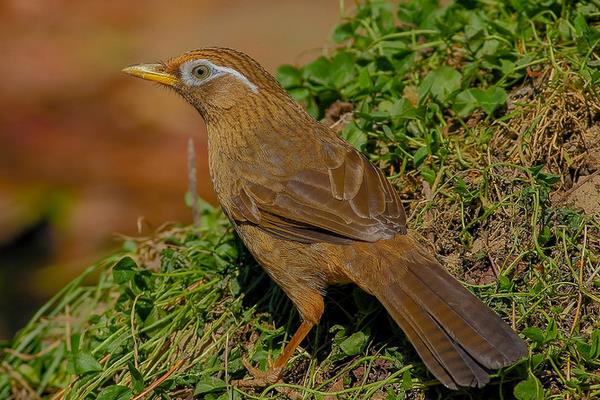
[{"x": 201, "y": 72}]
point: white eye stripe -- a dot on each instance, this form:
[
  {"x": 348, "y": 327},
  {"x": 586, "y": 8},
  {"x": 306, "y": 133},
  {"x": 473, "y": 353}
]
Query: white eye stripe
[
  {"x": 238, "y": 75},
  {"x": 216, "y": 70}
]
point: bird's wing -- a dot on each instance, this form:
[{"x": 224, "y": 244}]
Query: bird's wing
[{"x": 346, "y": 199}]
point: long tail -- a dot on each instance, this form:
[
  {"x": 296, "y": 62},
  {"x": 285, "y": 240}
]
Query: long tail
[{"x": 458, "y": 337}]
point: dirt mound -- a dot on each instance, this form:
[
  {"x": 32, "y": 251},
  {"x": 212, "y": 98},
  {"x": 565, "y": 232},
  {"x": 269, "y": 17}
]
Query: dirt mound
[
  {"x": 584, "y": 196},
  {"x": 556, "y": 125},
  {"x": 549, "y": 134}
]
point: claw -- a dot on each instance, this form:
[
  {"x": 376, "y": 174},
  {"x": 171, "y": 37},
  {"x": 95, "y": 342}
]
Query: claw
[
  {"x": 259, "y": 378},
  {"x": 275, "y": 371}
]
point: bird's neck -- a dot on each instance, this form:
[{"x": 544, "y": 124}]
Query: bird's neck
[
  {"x": 257, "y": 126},
  {"x": 260, "y": 135}
]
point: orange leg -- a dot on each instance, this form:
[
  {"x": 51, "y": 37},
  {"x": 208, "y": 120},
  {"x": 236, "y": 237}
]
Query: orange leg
[{"x": 276, "y": 369}]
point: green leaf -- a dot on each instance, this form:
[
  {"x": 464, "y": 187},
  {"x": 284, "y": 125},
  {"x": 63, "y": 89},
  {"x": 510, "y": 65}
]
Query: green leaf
[
  {"x": 354, "y": 135},
  {"x": 75, "y": 339},
  {"x": 420, "y": 13},
  {"x": 594, "y": 351},
  {"x": 536, "y": 360},
  {"x": 407, "y": 380},
  {"x": 209, "y": 384},
  {"x": 545, "y": 235},
  {"x": 475, "y": 26},
  {"x": 137, "y": 380},
  {"x": 387, "y": 131},
  {"x": 465, "y": 103},
  {"x": 504, "y": 283},
  {"x": 543, "y": 178},
  {"x": 507, "y": 67},
  {"x": 530, "y": 389},
  {"x": 300, "y": 94},
  {"x": 354, "y": 344},
  {"x": 534, "y": 333},
  {"x": 490, "y": 47},
  {"x": 342, "y": 69},
  {"x": 420, "y": 155},
  {"x": 123, "y": 271},
  {"x": 490, "y": 99},
  {"x": 339, "y": 333},
  {"x": 115, "y": 392},
  {"x": 343, "y": 32},
  {"x": 428, "y": 174},
  {"x": 364, "y": 79},
  {"x": 289, "y": 76},
  {"x": 551, "y": 331},
  {"x": 402, "y": 109},
  {"x": 318, "y": 71},
  {"x": 441, "y": 83},
  {"x": 234, "y": 287},
  {"x": 84, "y": 363}
]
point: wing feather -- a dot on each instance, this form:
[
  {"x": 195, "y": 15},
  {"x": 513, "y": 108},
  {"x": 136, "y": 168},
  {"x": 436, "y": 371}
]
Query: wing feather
[{"x": 345, "y": 198}]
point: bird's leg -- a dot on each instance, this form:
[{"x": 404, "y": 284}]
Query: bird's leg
[{"x": 275, "y": 371}]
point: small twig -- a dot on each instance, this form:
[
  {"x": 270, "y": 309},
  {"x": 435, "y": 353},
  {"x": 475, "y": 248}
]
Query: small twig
[
  {"x": 134, "y": 333},
  {"x": 514, "y": 316},
  {"x": 19, "y": 379},
  {"x": 160, "y": 380},
  {"x": 104, "y": 359},
  {"x": 593, "y": 275},
  {"x": 193, "y": 182},
  {"x": 343, "y": 119},
  {"x": 68, "y": 327},
  {"x": 29, "y": 357},
  {"x": 140, "y": 224},
  {"x": 58, "y": 395}
]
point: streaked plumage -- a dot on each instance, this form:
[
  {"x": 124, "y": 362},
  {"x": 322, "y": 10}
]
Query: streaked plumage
[{"x": 314, "y": 211}]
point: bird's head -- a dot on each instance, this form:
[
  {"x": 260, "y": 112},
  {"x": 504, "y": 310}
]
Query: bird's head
[{"x": 214, "y": 80}]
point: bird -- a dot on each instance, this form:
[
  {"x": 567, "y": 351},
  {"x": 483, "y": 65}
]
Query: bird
[{"x": 314, "y": 211}]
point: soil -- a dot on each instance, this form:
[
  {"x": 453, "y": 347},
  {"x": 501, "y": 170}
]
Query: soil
[
  {"x": 584, "y": 196},
  {"x": 560, "y": 129}
]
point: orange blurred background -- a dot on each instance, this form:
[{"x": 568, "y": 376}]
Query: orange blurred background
[{"x": 86, "y": 150}]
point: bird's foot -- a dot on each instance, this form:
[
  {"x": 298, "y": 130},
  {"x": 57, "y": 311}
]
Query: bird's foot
[{"x": 260, "y": 378}]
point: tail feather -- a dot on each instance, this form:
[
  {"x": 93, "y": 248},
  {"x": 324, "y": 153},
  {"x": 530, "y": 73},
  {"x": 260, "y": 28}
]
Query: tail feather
[
  {"x": 458, "y": 337},
  {"x": 459, "y": 368},
  {"x": 463, "y": 316},
  {"x": 429, "y": 359}
]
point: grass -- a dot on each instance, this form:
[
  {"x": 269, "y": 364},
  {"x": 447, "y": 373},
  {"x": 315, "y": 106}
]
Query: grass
[{"x": 485, "y": 115}]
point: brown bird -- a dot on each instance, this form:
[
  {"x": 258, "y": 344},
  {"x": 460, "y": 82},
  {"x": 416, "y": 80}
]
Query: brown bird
[{"x": 314, "y": 211}]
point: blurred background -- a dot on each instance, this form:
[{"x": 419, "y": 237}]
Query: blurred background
[{"x": 85, "y": 151}]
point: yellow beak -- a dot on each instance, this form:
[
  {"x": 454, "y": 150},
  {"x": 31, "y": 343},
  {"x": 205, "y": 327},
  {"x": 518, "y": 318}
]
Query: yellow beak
[{"x": 151, "y": 72}]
